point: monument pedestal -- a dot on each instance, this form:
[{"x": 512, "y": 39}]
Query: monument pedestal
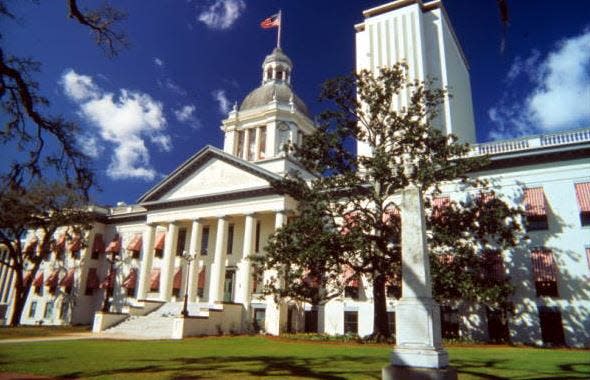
[{"x": 393, "y": 372}]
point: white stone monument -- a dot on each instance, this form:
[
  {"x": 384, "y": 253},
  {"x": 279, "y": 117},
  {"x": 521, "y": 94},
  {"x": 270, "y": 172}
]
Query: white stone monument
[{"x": 418, "y": 353}]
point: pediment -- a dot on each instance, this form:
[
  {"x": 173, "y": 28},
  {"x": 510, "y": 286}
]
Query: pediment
[{"x": 209, "y": 172}]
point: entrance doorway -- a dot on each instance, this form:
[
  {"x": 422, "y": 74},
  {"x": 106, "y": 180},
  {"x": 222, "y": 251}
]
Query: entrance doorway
[{"x": 228, "y": 285}]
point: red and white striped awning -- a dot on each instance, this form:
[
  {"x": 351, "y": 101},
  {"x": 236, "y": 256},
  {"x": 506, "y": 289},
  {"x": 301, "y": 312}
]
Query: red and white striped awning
[
  {"x": 446, "y": 258},
  {"x": 544, "y": 268},
  {"x": 109, "y": 281},
  {"x": 114, "y": 246},
  {"x": 155, "y": 279},
  {"x": 135, "y": 243},
  {"x": 68, "y": 280},
  {"x": 38, "y": 280},
  {"x": 53, "y": 279},
  {"x": 583, "y": 195},
  {"x": 130, "y": 281},
  {"x": 31, "y": 245},
  {"x": 177, "y": 281},
  {"x": 60, "y": 243},
  {"x": 534, "y": 202},
  {"x": 75, "y": 244},
  {"x": 348, "y": 277},
  {"x": 160, "y": 239}
]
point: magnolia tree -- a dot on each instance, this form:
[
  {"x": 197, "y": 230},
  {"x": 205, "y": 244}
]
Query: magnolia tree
[
  {"x": 29, "y": 221},
  {"x": 348, "y": 227}
]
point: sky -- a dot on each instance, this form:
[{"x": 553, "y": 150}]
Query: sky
[{"x": 162, "y": 99}]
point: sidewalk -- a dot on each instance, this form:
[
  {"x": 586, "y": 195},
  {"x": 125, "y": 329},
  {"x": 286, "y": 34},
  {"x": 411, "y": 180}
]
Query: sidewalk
[{"x": 74, "y": 336}]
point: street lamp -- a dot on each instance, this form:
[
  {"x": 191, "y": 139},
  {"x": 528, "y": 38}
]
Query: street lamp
[
  {"x": 188, "y": 258},
  {"x": 110, "y": 285}
]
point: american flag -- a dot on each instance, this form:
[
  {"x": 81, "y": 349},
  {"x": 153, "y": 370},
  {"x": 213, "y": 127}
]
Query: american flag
[{"x": 271, "y": 22}]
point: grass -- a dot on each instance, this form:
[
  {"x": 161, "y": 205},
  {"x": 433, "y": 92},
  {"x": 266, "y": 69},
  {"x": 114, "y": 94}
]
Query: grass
[
  {"x": 39, "y": 331},
  {"x": 249, "y": 357}
]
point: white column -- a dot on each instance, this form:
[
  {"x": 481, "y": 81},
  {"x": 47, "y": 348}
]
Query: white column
[
  {"x": 147, "y": 257},
  {"x": 273, "y": 310},
  {"x": 193, "y": 249},
  {"x": 217, "y": 267},
  {"x": 257, "y": 143},
  {"x": 244, "y": 277},
  {"x": 168, "y": 262},
  {"x": 246, "y": 143}
]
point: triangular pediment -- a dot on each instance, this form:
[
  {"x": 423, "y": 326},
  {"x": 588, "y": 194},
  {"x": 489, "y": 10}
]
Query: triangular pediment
[{"x": 209, "y": 172}]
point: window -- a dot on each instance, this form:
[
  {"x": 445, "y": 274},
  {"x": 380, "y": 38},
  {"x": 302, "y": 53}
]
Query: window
[
  {"x": 240, "y": 144},
  {"x": 449, "y": 318},
  {"x": 351, "y": 319},
  {"x": 230, "y": 239},
  {"x": 180, "y": 243},
  {"x": 259, "y": 319},
  {"x": 257, "y": 239},
  {"x": 551, "y": 326},
  {"x": 159, "y": 245},
  {"x": 205, "y": 241},
  {"x": 134, "y": 246},
  {"x": 262, "y": 143},
  {"x": 251, "y": 144},
  {"x": 201, "y": 282},
  {"x": 33, "y": 309},
  {"x": 92, "y": 282},
  {"x": 48, "y": 310},
  {"x": 497, "y": 325},
  {"x": 535, "y": 209},
  {"x": 64, "y": 311},
  {"x": 391, "y": 322},
  {"x": 311, "y": 321},
  {"x": 583, "y": 196},
  {"x": 494, "y": 266},
  {"x": 351, "y": 292},
  {"x": 544, "y": 272}
]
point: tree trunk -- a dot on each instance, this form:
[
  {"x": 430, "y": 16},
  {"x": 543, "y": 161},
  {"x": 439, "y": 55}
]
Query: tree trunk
[
  {"x": 20, "y": 297},
  {"x": 380, "y": 323}
]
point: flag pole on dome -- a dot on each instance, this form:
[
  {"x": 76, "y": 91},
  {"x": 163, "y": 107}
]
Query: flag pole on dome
[
  {"x": 273, "y": 21},
  {"x": 279, "y": 31}
]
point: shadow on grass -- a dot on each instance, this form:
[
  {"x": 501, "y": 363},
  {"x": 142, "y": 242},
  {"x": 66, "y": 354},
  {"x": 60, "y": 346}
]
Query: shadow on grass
[{"x": 329, "y": 368}]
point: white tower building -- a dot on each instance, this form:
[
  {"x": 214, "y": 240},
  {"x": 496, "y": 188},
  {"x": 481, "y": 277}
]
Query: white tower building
[{"x": 419, "y": 34}]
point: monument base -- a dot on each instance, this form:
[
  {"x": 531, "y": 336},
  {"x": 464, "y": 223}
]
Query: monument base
[
  {"x": 421, "y": 358},
  {"x": 393, "y": 372}
]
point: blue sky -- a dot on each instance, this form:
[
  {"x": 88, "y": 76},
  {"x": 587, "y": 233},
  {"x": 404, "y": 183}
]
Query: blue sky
[{"x": 145, "y": 111}]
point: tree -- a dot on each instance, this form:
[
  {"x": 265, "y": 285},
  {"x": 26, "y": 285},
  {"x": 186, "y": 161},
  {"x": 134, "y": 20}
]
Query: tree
[
  {"x": 28, "y": 128},
  {"x": 37, "y": 214},
  {"x": 355, "y": 218}
]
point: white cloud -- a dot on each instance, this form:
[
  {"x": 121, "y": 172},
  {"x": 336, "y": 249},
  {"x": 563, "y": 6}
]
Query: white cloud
[
  {"x": 124, "y": 122},
  {"x": 172, "y": 86},
  {"x": 90, "y": 145},
  {"x": 79, "y": 87},
  {"x": 557, "y": 95},
  {"x": 158, "y": 62},
  {"x": 222, "y": 13},
  {"x": 185, "y": 113},
  {"x": 224, "y": 104}
]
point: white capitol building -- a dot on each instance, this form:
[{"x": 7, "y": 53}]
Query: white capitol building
[{"x": 219, "y": 204}]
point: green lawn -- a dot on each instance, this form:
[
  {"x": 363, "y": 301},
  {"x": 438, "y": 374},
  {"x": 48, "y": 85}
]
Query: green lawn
[
  {"x": 40, "y": 331},
  {"x": 255, "y": 356}
]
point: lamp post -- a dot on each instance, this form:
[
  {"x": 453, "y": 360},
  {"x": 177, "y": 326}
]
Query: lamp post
[
  {"x": 188, "y": 258},
  {"x": 110, "y": 286}
]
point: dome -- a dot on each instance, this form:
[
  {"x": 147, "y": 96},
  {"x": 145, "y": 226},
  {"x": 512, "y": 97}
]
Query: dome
[{"x": 267, "y": 93}]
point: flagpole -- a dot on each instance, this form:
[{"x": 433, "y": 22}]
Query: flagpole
[{"x": 279, "y": 31}]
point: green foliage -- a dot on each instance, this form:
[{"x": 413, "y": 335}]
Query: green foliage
[{"x": 347, "y": 209}]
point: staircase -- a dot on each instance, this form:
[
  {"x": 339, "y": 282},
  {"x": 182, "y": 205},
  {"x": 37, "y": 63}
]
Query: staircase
[{"x": 158, "y": 324}]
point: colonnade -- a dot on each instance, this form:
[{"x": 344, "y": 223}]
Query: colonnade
[{"x": 217, "y": 270}]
